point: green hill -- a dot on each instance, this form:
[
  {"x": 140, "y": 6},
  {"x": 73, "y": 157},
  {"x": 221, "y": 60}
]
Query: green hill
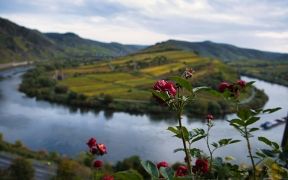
[
  {"x": 269, "y": 66},
  {"x": 18, "y": 43},
  {"x": 75, "y": 46},
  {"x": 224, "y": 52}
]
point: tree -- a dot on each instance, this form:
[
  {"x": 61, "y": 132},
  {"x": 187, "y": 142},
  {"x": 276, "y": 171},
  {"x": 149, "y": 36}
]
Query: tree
[{"x": 21, "y": 169}]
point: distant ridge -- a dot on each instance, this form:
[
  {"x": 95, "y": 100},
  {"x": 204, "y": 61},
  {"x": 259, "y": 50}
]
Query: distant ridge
[
  {"x": 18, "y": 43},
  {"x": 224, "y": 52}
]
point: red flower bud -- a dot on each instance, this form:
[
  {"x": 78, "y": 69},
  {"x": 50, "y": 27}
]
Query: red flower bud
[
  {"x": 91, "y": 142},
  {"x": 101, "y": 149},
  {"x": 182, "y": 171},
  {"x": 241, "y": 83},
  {"x": 94, "y": 150},
  {"x": 223, "y": 86},
  {"x": 98, "y": 164},
  {"x": 201, "y": 166},
  {"x": 162, "y": 164},
  {"x": 209, "y": 117}
]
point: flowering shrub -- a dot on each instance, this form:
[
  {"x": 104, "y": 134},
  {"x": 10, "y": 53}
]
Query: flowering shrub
[
  {"x": 176, "y": 94},
  {"x": 95, "y": 150}
]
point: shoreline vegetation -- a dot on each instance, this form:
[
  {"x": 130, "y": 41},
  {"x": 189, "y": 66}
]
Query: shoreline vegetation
[
  {"x": 270, "y": 71},
  {"x": 124, "y": 84},
  {"x": 59, "y": 166}
]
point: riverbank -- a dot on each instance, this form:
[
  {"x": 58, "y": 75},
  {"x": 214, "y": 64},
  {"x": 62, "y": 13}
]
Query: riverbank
[
  {"x": 119, "y": 91},
  {"x": 14, "y": 65}
]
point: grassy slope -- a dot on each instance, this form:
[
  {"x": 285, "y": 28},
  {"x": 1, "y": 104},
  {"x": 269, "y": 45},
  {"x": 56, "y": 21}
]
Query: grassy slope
[
  {"x": 120, "y": 79},
  {"x": 269, "y": 66}
]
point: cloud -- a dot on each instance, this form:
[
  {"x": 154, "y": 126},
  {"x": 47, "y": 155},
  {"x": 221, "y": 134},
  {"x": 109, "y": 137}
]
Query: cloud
[{"x": 247, "y": 23}]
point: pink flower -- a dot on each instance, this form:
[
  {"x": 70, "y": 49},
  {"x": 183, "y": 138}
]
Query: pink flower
[
  {"x": 162, "y": 164},
  {"x": 101, "y": 149},
  {"x": 108, "y": 177},
  {"x": 91, "y": 142},
  {"x": 159, "y": 85},
  {"x": 98, "y": 164},
  {"x": 241, "y": 83},
  {"x": 209, "y": 117},
  {"x": 182, "y": 171},
  {"x": 223, "y": 86},
  {"x": 170, "y": 88},
  {"x": 164, "y": 86}
]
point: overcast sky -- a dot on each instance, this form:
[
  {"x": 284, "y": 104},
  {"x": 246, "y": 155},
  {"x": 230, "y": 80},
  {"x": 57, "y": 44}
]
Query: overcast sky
[{"x": 259, "y": 24}]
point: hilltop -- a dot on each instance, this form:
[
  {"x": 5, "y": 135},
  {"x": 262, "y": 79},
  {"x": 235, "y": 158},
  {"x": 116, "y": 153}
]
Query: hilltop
[{"x": 224, "y": 52}]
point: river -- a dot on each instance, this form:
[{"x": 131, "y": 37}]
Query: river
[{"x": 41, "y": 125}]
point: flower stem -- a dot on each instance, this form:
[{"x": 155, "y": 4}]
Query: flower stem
[
  {"x": 250, "y": 153},
  {"x": 184, "y": 145},
  {"x": 210, "y": 152}
]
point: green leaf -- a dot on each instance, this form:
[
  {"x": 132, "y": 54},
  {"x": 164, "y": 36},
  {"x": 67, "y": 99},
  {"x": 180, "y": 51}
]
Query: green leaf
[
  {"x": 234, "y": 141},
  {"x": 178, "y": 149},
  {"x": 271, "y": 110},
  {"x": 167, "y": 172},
  {"x": 253, "y": 129},
  {"x": 162, "y": 95},
  {"x": 202, "y": 88},
  {"x": 198, "y": 131},
  {"x": 198, "y": 138},
  {"x": 150, "y": 168},
  {"x": 250, "y": 83},
  {"x": 265, "y": 140},
  {"x": 224, "y": 141},
  {"x": 123, "y": 175},
  {"x": 237, "y": 122},
  {"x": 268, "y": 152},
  {"x": 276, "y": 145},
  {"x": 251, "y": 120},
  {"x": 214, "y": 92},
  {"x": 261, "y": 154},
  {"x": 173, "y": 130},
  {"x": 244, "y": 113},
  {"x": 214, "y": 144},
  {"x": 195, "y": 152},
  {"x": 182, "y": 82},
  {"x": 185, "y": 133}
]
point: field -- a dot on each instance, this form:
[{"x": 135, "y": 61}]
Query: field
[
  {"x": 125, "y": 83},
  {"x": 132, "y": 76}
]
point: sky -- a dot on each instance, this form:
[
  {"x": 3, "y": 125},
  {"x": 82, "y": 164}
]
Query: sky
[{"x": 257, "y": 24}]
